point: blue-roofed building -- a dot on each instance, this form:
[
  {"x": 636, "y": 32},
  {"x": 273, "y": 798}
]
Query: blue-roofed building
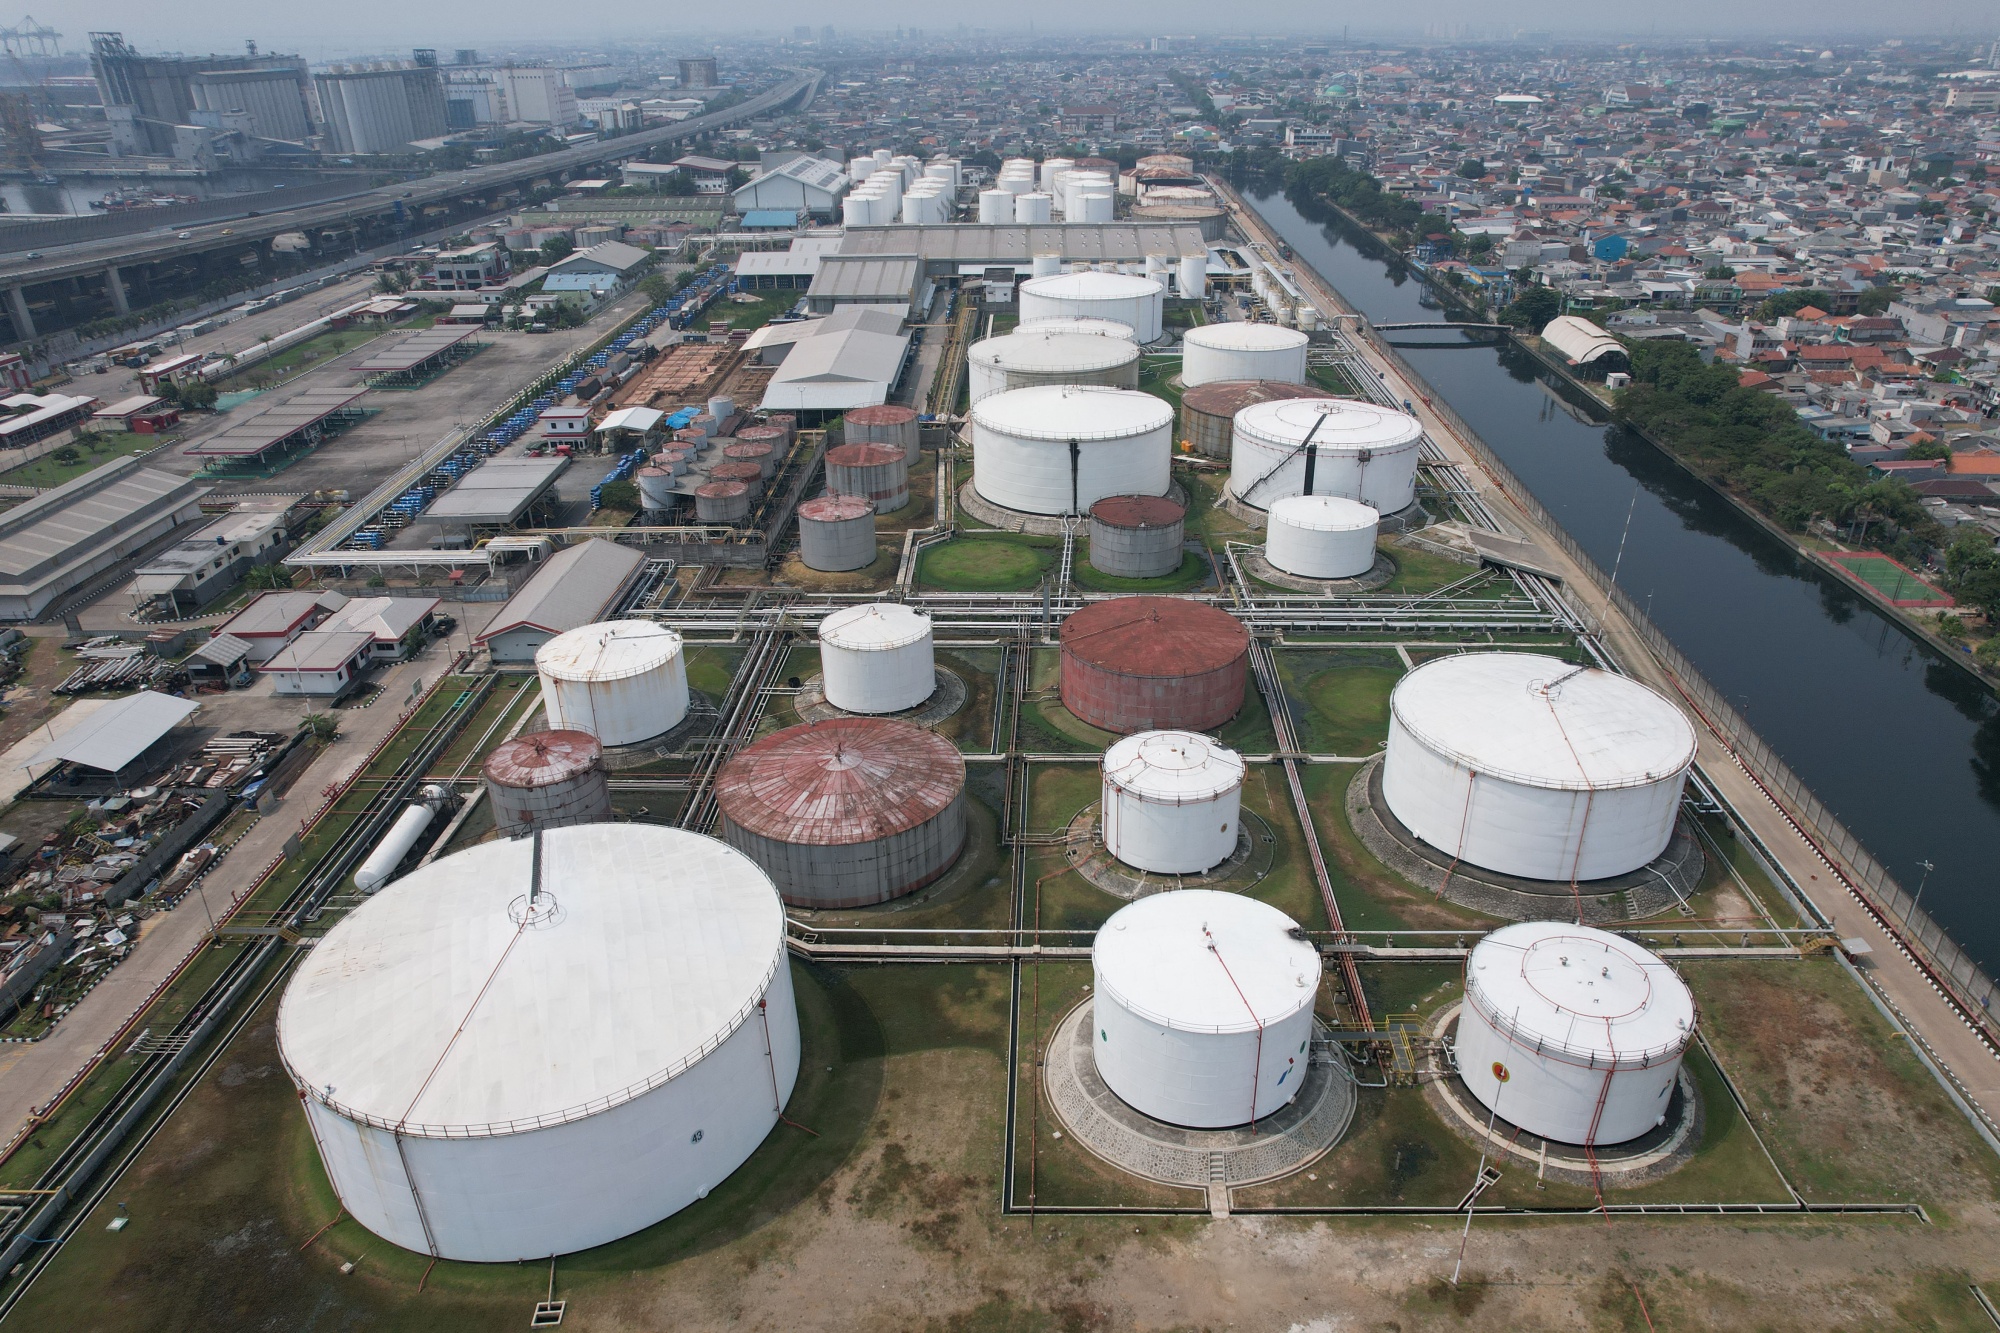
[
  {"x": 770, "y": 219},
  {"x": 1610, "y": 249}
]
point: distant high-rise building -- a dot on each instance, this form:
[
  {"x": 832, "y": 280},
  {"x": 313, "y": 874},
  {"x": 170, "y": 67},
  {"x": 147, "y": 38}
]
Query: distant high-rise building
[
  {"x": 465, "y": 55},
  {"x": 424, "y": 57},
  {"x": 161, "y": 92},
  {"x": 698, "y": 72},
  {"x": 380, "y": 107},
  {"x": 536, "y": 96}
]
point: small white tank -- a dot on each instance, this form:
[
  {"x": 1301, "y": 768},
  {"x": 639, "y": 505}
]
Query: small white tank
[
  {"x": 622, "y": 681},
  {"x": 1321, "y": 536},
  {"x": 1046, "y": 266},
  {"x": 1171, "y": 801},
  {"x": 995, "y": 206},
  {"x": 1033, "y": 209},
  {"x": 877, "y": 658},
  {"x": 1193, "y": 277}
]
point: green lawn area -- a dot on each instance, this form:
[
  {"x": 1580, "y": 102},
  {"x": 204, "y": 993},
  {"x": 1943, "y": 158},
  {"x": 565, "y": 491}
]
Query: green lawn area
[
  {"x": 986, "y": 564},
  {"x": 333, "y": 343},
  {"x": 88, "y": 451},
  {"x": 1156, "y": 374},
  {"x": 1193, "y": 573},
  {"x": 1342, "y": 699},
  {"x": 753, "y": 314},
  {"x": 1334, "y": 380}
]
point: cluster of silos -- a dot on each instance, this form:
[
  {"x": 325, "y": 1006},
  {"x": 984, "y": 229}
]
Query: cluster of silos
[
  {"x": 1208, "y": 411},
  {"x": 1044, "y": 355},
  {"x": 1134, "y": 664},
  {"x": 1321, "y": 536},
  {"x": 621, "y": 681},
  {"x": 1171, "y": 801},
  {"x": 1324, "y": 446},
  {"x": 1059, "y": 449},
  {"x": 1242, "y": 351},
  {"x": 545, "y": 780},
  {"x": 837, "y": 533},
  {"x": 1137, "y": 536},
  {"x": 846, "y": 812},
  {"x": 1125, "y": 298},
  {"x": 877, "y": 658},
  {"x": 885, "y": 423},
  {"x": 542, "y": 1044}
]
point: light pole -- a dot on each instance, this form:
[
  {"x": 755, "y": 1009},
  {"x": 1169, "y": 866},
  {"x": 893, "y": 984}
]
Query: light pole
[{"x": 1928, "y": 867}]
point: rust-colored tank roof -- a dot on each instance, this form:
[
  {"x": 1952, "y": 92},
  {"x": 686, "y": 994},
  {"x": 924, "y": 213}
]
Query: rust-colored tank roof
[
  {"x": 1154, "y": 636},
  {"x": 748, "y": 449},
  {"x": 883, "y": 414},
  {"x": 762, "y": 435},
  {"x": 842, "y": 781},
  {"x": 1225, "y": 398},
  {"x": 836, "y": 508},
  {"x": 744, "y": 472},
  {"x": 1138, "y": 511},
  {"x": 543, "y": 758},
  {"x": 718, "y": 490},
  {"x": 864, "y": 455}
]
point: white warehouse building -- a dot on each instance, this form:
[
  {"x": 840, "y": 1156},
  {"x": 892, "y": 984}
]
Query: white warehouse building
[{"x": 804, "y": 184}]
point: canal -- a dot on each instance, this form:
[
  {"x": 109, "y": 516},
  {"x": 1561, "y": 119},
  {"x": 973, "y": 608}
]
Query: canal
[{"x": 1901, "y": 744}]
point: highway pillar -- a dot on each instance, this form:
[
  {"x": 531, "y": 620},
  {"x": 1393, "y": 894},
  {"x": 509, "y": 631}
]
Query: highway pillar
[
  {"x": 17, "y": 307},
  {"x": 114, "y": 287}
]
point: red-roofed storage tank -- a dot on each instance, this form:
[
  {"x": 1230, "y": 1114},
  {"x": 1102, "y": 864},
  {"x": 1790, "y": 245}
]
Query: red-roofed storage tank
[
  {"x": 1154, "y": 663},
  {"x": 547, "y": 779}
]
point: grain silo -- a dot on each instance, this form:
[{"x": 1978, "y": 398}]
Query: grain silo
[
  {"x": 1352, "y": 448},
  {"x": 1018, "y": 360},
  {"x": 1589, "y": 1028},
  {"x": 1171, "y": 801},
  {"x": 545, "y": 780},
  {"x": 1242, "y": 351},
  {"x": 1154, "y": 663},
  {"x": 1321, "y": 536},
  {"x": 1059, "y": 449},
  {"x": 1532, "y": 766},
  {"x": 1208, "y": 413},
  {"x": 721, "y": 502},
  {"x": 1124, "y": 297},
  {"x": 876, "y": 472},
  {"x": 620, "y": 680},
  {"x": 877, "y": 658},
  {"x": 846, "y": 812},
  {"x": 1137, "y": 536},
  {"x": 542, "y": 1044},
  {"x": 837, "y": 532},
  {"x": 884, "y": 423},
  {"x": 1203, "y": 1004}
]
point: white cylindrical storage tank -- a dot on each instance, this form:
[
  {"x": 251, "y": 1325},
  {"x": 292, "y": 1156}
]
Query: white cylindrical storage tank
[
  {"x": 837, "y": 533},
  {"x": 1018, "y": 360},
  {"x": 1046, "y": 266},
  {"x": 1362, "y": 451},
  {"x": 1321, "y": 536},
  {"x": 1125, "y": 298},
  {"x": 1033, "y": 209},
  {"x": 996, "y": 206},
  {"x": 545, "y": 780},
  {"x": 1104, "y": 328},
  {"x": 856, "y": 210},
  {"x": 1015, "y": 184},
  {"x": 877, "y": 472},
  {"x": 395, "y": 845},
  {"x": 722, "y": 407},
  {"x": 877, "y": 658},
  {"x": 656, "y": 488},
  {"x": 1052, "y": 168},
  {"x": 1203, "y": 1005},
  {"x": 1242, "y": 351},
  {"x": 1158, "y": 266},
  {"x": 882, "y": 157},
  {"x": 543, "y": 1044},
  {"x": 1194, "y": 277},
  {"x": 1022, "y": 455},
  {"x": 1531, "y": 766},
  {"x": 1094, "y": 206},
  {"x": 1171, "y": 801},
  {"x": 1588, "y": 1027},
  {"x": 860, "y": 168},
  {"x": 620, "y": 680}
]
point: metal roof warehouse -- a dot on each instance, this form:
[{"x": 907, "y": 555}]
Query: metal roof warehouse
[
  {"x": 496, "y": 493},
  {"x": 300, "y": 421},
  {"x": 54, "y": 543}
]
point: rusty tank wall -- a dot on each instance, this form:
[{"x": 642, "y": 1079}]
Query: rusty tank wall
[{"x": 856, "y": 874}]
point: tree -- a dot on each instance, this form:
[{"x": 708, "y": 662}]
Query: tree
[
  {"x": 1532, "y": 309},
  {"x": 657, "y": 287},
  {"x": 557, "y": 248},
  {"x": 619, "y": 495},
  {"x": 265, "y": 578},
  {"x": 1472, "y": 169},
  {"x": 1972, "y": 569},
  {"x": 1718, "y": 273},
  {"x": 1876, "y": 300},
  {"x": 1793, "y": 301}
]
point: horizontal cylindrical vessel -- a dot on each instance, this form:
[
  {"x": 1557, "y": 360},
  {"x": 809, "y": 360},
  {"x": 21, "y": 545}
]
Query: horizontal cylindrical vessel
[
  {"x": 1171, "y": 801},
  {"x": 1127, "y": 298},
  {"x": 876, "y": 471},
  {"x": 1020, "y": 360},
  {"x": 620, "y": 680},
  {"x": 1321, "y": 536},
  {"x": 846, "y": 812},
  {"x": 1154, "y": 663},
  {"x": 837, "y": 532},
  {"x": 1588, "y": 1029},
  {"x": 721, "y": 502},
  {"x": 1531, "y": 766},
  {"x": 1361, "y": 451},
  {"x": 1059, "y": 449},
  {"x": 1241, "y": 351},
  {"x": 1203, "y": 1005},
  {"x": 543, "y": 1044},
  {"x": 1208, "y": 412},
  {"x": 547, "y": 779},
  {"x": 1137, "y": 536},
  {"x": 885, "y": 423},
  {"x": 394, "y": 847},
  {"x": 877, "y": 658}
]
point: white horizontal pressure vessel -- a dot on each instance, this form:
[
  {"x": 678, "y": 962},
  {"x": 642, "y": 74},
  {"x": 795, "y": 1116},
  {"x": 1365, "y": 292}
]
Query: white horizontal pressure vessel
[
  {"x": 1022, "y": 455},
  {"x": 877, "y": 658},
  {"x": 1171, "y": 802},
  {"x": 1321, "y": 536},
  {"x": 389, "y": 853}
]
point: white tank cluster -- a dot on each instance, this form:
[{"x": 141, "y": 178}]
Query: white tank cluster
[
  {"x": 623, "y": 681},
  {"x": 1020, "y": 360},
  {"x": 1203, "y": 1005},
  {"x": 1572, "y": 1033},
  {"x": 1124, "y": 297},
  {"x": 543, "y": 1044},
  {"x": 1321, "y": 536},
  {"x": 1171, "y": 801},
  {"x": 1059, "y": 449},
  {"x": 1242, "y": 351},
  {"x": 877, "y": 658},
  {"x": 1531, "y": 766},
  {"x": 1359, "y": 450}
]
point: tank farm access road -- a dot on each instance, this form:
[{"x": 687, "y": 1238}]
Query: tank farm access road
[{"x": 1969, "y": 1062}]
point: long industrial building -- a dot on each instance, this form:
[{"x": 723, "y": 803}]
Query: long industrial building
[{"x": 55, "y": 543}]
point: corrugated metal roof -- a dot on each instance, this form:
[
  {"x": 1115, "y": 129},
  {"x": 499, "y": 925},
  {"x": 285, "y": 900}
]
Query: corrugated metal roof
[
  {"x": 845, "y": 780},
  {"x": 119, "y": 732},
  {"x": 1155, "y": 636},
  {"x": 576, "y": 586},
  {"x": 40, "y": 534}
]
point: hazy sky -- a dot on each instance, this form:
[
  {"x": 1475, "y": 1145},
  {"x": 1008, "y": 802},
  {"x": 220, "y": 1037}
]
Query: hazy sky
[{"x": 323, "y": 29}]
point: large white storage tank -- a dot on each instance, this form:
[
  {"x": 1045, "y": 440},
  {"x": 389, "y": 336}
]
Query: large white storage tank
[
  {"x": 1532, "y": 766},
  {"x": 1242, "y": 351},
  {"x": 1121, "y": 296},
  {"x": 1022, "y": 447},
  {"x": 1362, "y": 451},
  {"x": 1321, "y": 536},
  {"x": 1171, "y": 801},
  {"x": 1588, "y": 1027},
  {"x": 1103, "y": 328},
  {"x": 1203, "y": 1004},
  {"x": 877, "y": 658},
  {"x": 620, "y": 680},
  {"x": 542, "y": 1044},
  {"x": 1018, "y": 360}
]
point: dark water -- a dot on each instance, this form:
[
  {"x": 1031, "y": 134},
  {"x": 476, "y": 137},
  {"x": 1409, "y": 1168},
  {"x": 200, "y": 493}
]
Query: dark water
[{"x": 1898, "y": 742}]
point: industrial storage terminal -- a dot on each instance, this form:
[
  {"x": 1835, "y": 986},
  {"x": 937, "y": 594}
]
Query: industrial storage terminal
[{"x": 822, "y": 683}]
